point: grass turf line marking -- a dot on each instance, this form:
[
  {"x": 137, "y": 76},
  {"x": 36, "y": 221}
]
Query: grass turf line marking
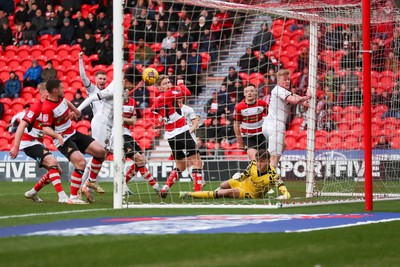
[
  {"x": 342, "y": 226},
  {"x": 49, "y": 213}
]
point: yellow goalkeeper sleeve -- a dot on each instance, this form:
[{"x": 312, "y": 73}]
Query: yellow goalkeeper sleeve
[{"x": 284, "y": 191}]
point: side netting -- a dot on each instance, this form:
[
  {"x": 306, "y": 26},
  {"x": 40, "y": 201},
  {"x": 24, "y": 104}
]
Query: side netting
[{"x": 218, "y": 48}]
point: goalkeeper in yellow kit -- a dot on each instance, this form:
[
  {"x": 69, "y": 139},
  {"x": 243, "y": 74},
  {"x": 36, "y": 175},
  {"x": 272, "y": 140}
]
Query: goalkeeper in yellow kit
[{"x": 254, "y": 182}]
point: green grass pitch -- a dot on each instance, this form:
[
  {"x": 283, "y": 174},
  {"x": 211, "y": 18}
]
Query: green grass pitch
[{"x": 368, "y": 245}]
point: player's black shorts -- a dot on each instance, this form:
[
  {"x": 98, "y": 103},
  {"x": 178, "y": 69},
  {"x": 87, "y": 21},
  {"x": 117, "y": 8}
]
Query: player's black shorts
[
  {"x": 78, "y": 141},
  {"x": 131, "y": 147},
  {"x": 183, "y": 145},
  {"x": 255, "y": 141},
  {"x": 38, "y": 153}
]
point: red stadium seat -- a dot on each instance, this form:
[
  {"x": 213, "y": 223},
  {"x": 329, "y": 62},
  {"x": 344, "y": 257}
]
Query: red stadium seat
[
  {"x": 296, "y": 123},
  {"x": 63, "y": 51},
  {"x": 24, "y": 51},
  {"x": 72, "y": 72},
  {"x": 50, "y": 51},
  {"x": 205, "y": 57},
  {"x": 256, "y": 79},
  {"x": 14, "y": 62},
  {"x": 75, "y": 50},
  {"x": 335, "y": 137},
  {"x": 18, "y": 104},
  {"x": 11, "y": 51},
  {"x": 156, "y": 47},
  {"x": 245, "y": 77}
]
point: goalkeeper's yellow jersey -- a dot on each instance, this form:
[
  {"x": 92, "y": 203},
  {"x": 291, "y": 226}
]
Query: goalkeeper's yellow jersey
[{"x": 259, "y": 183}]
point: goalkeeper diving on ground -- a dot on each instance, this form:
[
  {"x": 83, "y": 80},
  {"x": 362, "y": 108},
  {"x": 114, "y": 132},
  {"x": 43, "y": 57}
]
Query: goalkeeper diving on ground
[{"x": 254, "y": 182}]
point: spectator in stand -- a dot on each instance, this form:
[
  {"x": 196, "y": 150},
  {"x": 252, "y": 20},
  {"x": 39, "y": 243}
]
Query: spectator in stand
[
  {"x": 230, "y": 106},
  {"x": 6, "y": 35},
  {"x": 135, "y": 31},
  {"x": 394, "y": 105},
  {"x": 18, "y": 34},
  {"x": 248, "y": 63},
  {"x": 329, "y": 96},
  {"x": 263, "y": 40},
  {"x": 265, "y": 64},
  {"x": 21, "y": 16},
  {"x": 185, "y": 74},
  {"x": 149, "y": 32},
  {"x": 350, "y": 79},
  {"x": 198, "y": 28},
  {"x": 80, "y": 31},
  {"x": 49, "y": 72},
  {"x": 91, "y": 22},
  {"x": 325, "y": 118},
  {"x": 141, "y": 18},
  {"x": 144, "y": 54},
  {"x": 67, "y": 33},
  {"x": 16, "y": 119},
  {"x": 201, "y": 147},
  {"x": 223, "y": 95},
  {"x": 216, "y": 30},
  {"x": 214, "y": 133},
  {"x": 208, "y": 44},
  {"x": 333, "y": 38},
  {"x": 29, "y": 35},
  {"x": 38, "y": 21},
  {"x": 194, "y": 62},
  {"x": 238, "y": 90},
  {"x": 378, "y": 56},
  {"x": 102, "y": 23},
  {"x": 352, "y": 60},
  {"x": 391, "y": 62},
  {"x": 33, "y": 75},
  {"x": 183, "y": 37},
  {"x": 383, "y": 143},
  {"x": 332, "y": 80},
  {"x": 302, "y": 82},
  {"x": 228, "y": 131},
  {"x": 12, "y": 89},
  {"x": 142, "y": 97},
  {"x": 167, "y": 41},
  {"x": 51, "y": 25},
  {"x": 161, "y": 31},
  {"x": 213, "y": 108},
  {"x": 270, "y": 79},
  {"x": 87, "y": 113},
  {"x": 89, "y": 44},
  {"x": 229, "y": 81},
  {"x": 172, "y": 17},
  {"x": 105, "y": 54},
  {"x": 78, "y": 18},
  {"x": 7, "y": 6},
  {"x": 3, "y": 17},
  {"x": 71, "y": 5},
  {"x": 303, "y": 59},
  {"x": 162, "y": 57},
  {"x": 1, "y": 89}
]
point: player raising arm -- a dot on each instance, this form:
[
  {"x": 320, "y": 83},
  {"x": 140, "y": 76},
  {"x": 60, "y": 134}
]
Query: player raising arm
[
  {"x": 254, "y": 182},
  {"x": 278, "y": 111},
  {"x": 56, "y": 112},
  {"x": 29, "y": 137},
  {"x": 249, "y": 116}
]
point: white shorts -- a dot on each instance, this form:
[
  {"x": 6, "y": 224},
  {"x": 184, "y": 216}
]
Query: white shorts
[
  {"x": 275, "y": 138},
  {"x": 101, "y": 131}
]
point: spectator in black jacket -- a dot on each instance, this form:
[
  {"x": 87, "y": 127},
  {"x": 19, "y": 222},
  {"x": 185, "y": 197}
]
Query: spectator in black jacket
[
  {"x": 38, "y": 21},
  {"x": 263, "y": 40},
  {"x": 21, "y": 16},
  {"x": 229, "y": 81},
  {"x": 67, "y": 33},
  {"x": 6, "y": 37},
  {"x": 248, "y": 62},
  {"x": 50, "y": 27},
  {"x": 89, "y": 44},
  {"x": 29, "y": 35}
]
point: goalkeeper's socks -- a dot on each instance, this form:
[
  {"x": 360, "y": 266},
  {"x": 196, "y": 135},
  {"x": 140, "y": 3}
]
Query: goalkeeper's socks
[
  {"x": 198, "y": 181},
  {"x": 173, "y": 177},
  {"x": 204, "y": 194},
  {"x": 76, "y": 180},
  {"x": 131, "y": 173},
  {"x": 42, "y": 182},
  {"x": 54, "y": 176},
  {"x": 148, "y": 177},
  {"x": 95, "y": 167}
]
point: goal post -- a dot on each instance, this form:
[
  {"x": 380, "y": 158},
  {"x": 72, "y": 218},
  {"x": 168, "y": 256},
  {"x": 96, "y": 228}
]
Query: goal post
[{"x": 326, "y": 46}]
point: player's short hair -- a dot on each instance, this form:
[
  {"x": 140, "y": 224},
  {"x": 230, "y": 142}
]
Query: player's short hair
[
  {"x": 263, "y": 154},
  {"x": 282, "y": 72},
  {"x": 248, "y": 86},
  {"x": 100, "y": 72},
  {"x": 52, "y": 84},
  {"x": 161, "y": 78},
  {"x": 132, "y": 75}
]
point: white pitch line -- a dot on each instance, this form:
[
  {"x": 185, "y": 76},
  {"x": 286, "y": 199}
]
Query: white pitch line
[{"x": 48, "y": 213}]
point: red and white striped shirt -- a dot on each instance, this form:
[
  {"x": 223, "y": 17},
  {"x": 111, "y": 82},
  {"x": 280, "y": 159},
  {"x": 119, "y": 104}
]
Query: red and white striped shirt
[
  {"x": 251, "y": 116},
  {"x": 166, "y": 106},
  {"x": 128, "y": 110},
  {"x": 56, "y": 116},
  {"x": 33, "y": 117}
]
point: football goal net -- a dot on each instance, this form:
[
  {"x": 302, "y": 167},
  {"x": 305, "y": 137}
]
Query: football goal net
[{"x": 344, "y": 144}]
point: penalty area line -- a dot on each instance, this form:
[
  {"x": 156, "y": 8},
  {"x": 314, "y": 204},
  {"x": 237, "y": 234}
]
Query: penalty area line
[{"x": 49, "y": 213}]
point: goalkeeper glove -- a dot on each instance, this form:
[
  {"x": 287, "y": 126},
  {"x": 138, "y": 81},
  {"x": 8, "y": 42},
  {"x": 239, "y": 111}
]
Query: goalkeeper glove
[{"x": 237, "y": 176}]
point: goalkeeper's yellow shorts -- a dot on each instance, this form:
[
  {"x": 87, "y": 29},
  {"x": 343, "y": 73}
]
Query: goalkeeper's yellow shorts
[{"x": 245, "y": 192}]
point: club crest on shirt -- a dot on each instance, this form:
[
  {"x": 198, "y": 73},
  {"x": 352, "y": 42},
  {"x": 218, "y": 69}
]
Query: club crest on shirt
[
  {"x": 45, "y": 117},
  {"x": 30, "y": 114}
]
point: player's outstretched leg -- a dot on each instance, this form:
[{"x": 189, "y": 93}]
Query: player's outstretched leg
[
  {"x": 95, "y": 168},
  {"x": 172, "y": 178}
]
